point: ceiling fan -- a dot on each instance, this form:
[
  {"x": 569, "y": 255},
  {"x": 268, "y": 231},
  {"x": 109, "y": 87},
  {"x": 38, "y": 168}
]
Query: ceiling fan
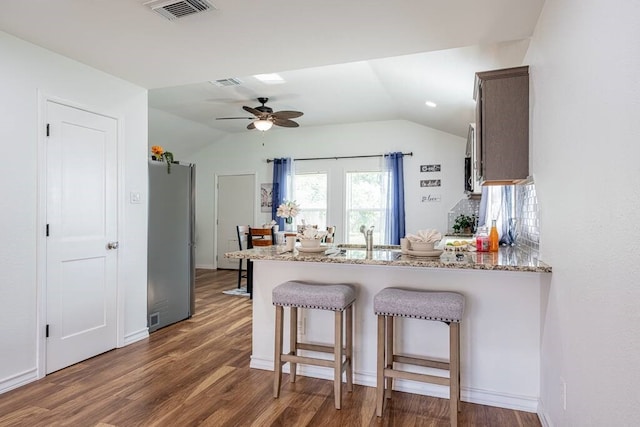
[{"x": 265, "y": 117}]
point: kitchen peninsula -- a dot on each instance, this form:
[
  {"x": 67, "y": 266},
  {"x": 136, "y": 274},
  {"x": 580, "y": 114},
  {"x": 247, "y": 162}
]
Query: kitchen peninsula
[{"x": 500, "y": 334}]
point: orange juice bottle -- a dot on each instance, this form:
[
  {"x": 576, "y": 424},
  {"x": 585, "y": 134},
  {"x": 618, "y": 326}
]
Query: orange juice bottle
[{"x": 493, "y": 237}]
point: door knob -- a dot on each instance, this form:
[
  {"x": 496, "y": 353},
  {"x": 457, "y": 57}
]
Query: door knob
[{"x": 112, "y": 245}]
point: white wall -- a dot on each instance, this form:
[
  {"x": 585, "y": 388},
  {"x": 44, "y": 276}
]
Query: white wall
[
  {"x": 26, "y": 71},
  {"x": 179, "y": 136},
  {"x": 247, "y": 152},
  {"x": 585, "y": 129}
]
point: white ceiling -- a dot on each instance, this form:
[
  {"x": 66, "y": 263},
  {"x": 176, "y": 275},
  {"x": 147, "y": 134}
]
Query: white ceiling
[{"x": 343, "y": 61}]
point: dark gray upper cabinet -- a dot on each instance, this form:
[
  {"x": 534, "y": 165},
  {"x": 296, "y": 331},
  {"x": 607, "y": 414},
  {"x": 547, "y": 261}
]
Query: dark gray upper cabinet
[{"x": 502, "y": 126}]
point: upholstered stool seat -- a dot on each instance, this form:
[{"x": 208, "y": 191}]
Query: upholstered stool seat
[
  {"x": 338, "y": 298},
  {"x": 447, "y": 307}
]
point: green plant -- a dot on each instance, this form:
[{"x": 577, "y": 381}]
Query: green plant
[
  {"x": 463, "y": 222},
  {"x": 160, "y": 155}
]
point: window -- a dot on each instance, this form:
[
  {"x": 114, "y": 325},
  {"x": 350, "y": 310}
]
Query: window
[
  {"x": 310, "y": 193},
  {"x": 365, "y": 205}
]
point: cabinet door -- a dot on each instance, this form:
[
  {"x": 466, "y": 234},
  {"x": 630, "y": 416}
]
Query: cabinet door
[{"x": 502, "y": 125}]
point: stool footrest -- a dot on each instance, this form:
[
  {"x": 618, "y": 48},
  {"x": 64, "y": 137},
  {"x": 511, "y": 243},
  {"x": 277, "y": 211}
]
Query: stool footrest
[
  {"x": 428, "y": 363},
  {"x": 312, "y": 361},
  {"x": 315, "y": 347},
  {"x": 390, "y": 373}
]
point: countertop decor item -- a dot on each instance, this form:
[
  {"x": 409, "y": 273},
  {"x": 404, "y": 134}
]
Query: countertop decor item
[
  {"x": 310, "y": 237},
  {"x": 158, "y": 154},
  {"x": 424, "y": 240}
]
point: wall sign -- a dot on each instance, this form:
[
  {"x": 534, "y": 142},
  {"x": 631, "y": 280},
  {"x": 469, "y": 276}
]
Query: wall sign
[
  {"x": 430, "y": 183},
  {"x": 431, "y": 198},
  {"x": 429, "y": 168}
]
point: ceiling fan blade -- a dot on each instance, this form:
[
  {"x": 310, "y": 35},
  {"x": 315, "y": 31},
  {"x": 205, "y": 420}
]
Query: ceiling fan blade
[
  {"x": 253, "y": 111},
  {"x": 233, "y": 118},
  {"x": 285, "y": 123},
  {"x": 287, "y": 114},
  {"x": 251, "y": 126}
]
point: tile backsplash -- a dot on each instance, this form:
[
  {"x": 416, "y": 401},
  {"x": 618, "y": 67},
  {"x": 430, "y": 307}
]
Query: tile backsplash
[{"x": 528, "y": 225}]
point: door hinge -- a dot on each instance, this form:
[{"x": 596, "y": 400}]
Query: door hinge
[
  {"x": 46, "y": 334},
  {"x": 48, "y": 129},
  {"x": 47, "y": 230}
]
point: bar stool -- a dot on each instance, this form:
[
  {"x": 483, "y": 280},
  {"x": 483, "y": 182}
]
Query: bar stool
[
  {"x": 338, "y": 298},
  {"x": 446, "y": 307}
]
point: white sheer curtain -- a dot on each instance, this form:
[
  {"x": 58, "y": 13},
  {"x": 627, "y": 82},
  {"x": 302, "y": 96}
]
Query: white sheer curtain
[{"x": 497, "y": 203}]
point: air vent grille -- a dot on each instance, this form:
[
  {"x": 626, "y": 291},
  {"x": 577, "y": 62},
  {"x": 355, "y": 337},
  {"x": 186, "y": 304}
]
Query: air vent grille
[
  {"x": 232, "y": 81},
  {"x": 173, "y": 9}
]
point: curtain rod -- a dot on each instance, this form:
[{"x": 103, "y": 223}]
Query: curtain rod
[{"x": 342, "y": 157}]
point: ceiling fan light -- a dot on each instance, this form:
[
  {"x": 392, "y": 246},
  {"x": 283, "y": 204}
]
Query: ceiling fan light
[{"x": 263, "y": 125}]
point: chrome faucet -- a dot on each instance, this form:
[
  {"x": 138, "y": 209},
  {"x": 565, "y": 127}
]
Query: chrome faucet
[{"x": 368, "y": 237}]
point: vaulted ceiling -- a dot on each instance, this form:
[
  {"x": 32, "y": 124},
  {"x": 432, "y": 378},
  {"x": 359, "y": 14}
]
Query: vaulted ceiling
[{"x": 341, "y": 61}]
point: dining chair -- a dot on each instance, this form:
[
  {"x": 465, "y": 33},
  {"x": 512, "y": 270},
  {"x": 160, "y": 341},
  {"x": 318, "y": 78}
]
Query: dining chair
[
  {"x": 257, "y": 237},
  {"x": 243, "y": 232},
  {"x": 260, "y": 237}
]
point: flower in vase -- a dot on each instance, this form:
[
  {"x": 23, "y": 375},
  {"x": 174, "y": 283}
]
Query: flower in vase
[{"x": 287, "y": 210}]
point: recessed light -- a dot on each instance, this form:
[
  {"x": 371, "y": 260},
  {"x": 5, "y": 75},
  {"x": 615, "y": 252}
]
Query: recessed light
[
  {"x": 271, "y": 79},
  {"x": 431, "y": 104}
]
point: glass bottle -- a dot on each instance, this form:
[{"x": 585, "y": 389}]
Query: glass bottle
[
  {"x": 494, "y": 239},
  {"x": 482, "y": 239}
]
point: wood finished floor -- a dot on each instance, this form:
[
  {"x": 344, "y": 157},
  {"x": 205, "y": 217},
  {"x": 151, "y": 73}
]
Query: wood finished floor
[{"x": 196, "y": 372}]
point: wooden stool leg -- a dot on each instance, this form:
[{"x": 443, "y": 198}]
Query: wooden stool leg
[
  {"x": 389, "y": 355},
  {"x": 337, "y": 365},
  {"x": 349, "y": 347},
  {"x": 277, "y": 361},
  {"x": 380, "y": 366},
  {"x": 454, "y": 372},
  {"x": 293, "y": 341}
]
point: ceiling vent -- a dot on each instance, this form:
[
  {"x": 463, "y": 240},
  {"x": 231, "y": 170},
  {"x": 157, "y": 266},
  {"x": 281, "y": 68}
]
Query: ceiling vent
[
  {"x": 173, "y": 9},
  {"x": 232, "y": 81}
]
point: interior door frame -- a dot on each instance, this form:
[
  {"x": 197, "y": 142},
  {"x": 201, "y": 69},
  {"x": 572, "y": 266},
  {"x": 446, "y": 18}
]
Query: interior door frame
[
  {"x": 256, "y": 207},
  {"x": 41, "y": 220}
]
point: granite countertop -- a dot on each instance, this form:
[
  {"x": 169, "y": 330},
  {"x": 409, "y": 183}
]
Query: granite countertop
[{"x": 506, "y": 259}]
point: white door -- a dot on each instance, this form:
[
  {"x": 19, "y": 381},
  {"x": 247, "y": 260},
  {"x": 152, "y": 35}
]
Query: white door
[
  {"x": 236, "y": 204},
  {"x": 82, "y": 222}
]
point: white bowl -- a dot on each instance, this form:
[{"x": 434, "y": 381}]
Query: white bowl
[
  {"x": 310, "y": 243},
  {"x": 422, "y": 246}
]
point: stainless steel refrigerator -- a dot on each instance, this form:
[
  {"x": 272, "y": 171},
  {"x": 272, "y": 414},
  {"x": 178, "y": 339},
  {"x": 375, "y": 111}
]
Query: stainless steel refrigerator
[{"x": 171, "y": 268}]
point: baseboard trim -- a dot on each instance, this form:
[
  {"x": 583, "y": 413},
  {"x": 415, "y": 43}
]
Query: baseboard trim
[
  {"x": 136, "y": 336},
  {"x": 18, "y": 380},
  {"x": 471, "y": 395},
  {"x": 543, "y": 416},
  {"x": 206, "y": 266}
]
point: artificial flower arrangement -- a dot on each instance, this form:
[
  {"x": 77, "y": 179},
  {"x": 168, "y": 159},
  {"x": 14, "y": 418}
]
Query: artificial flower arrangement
[
  {"x": 287, "y": 210},
  {"x": 158, "y": 153},
  {"x": 311, "y": 233},
  {"x": 310, "y": 237}
]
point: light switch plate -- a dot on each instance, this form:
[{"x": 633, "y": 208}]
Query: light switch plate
[{"x": 135, "y": 197}]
